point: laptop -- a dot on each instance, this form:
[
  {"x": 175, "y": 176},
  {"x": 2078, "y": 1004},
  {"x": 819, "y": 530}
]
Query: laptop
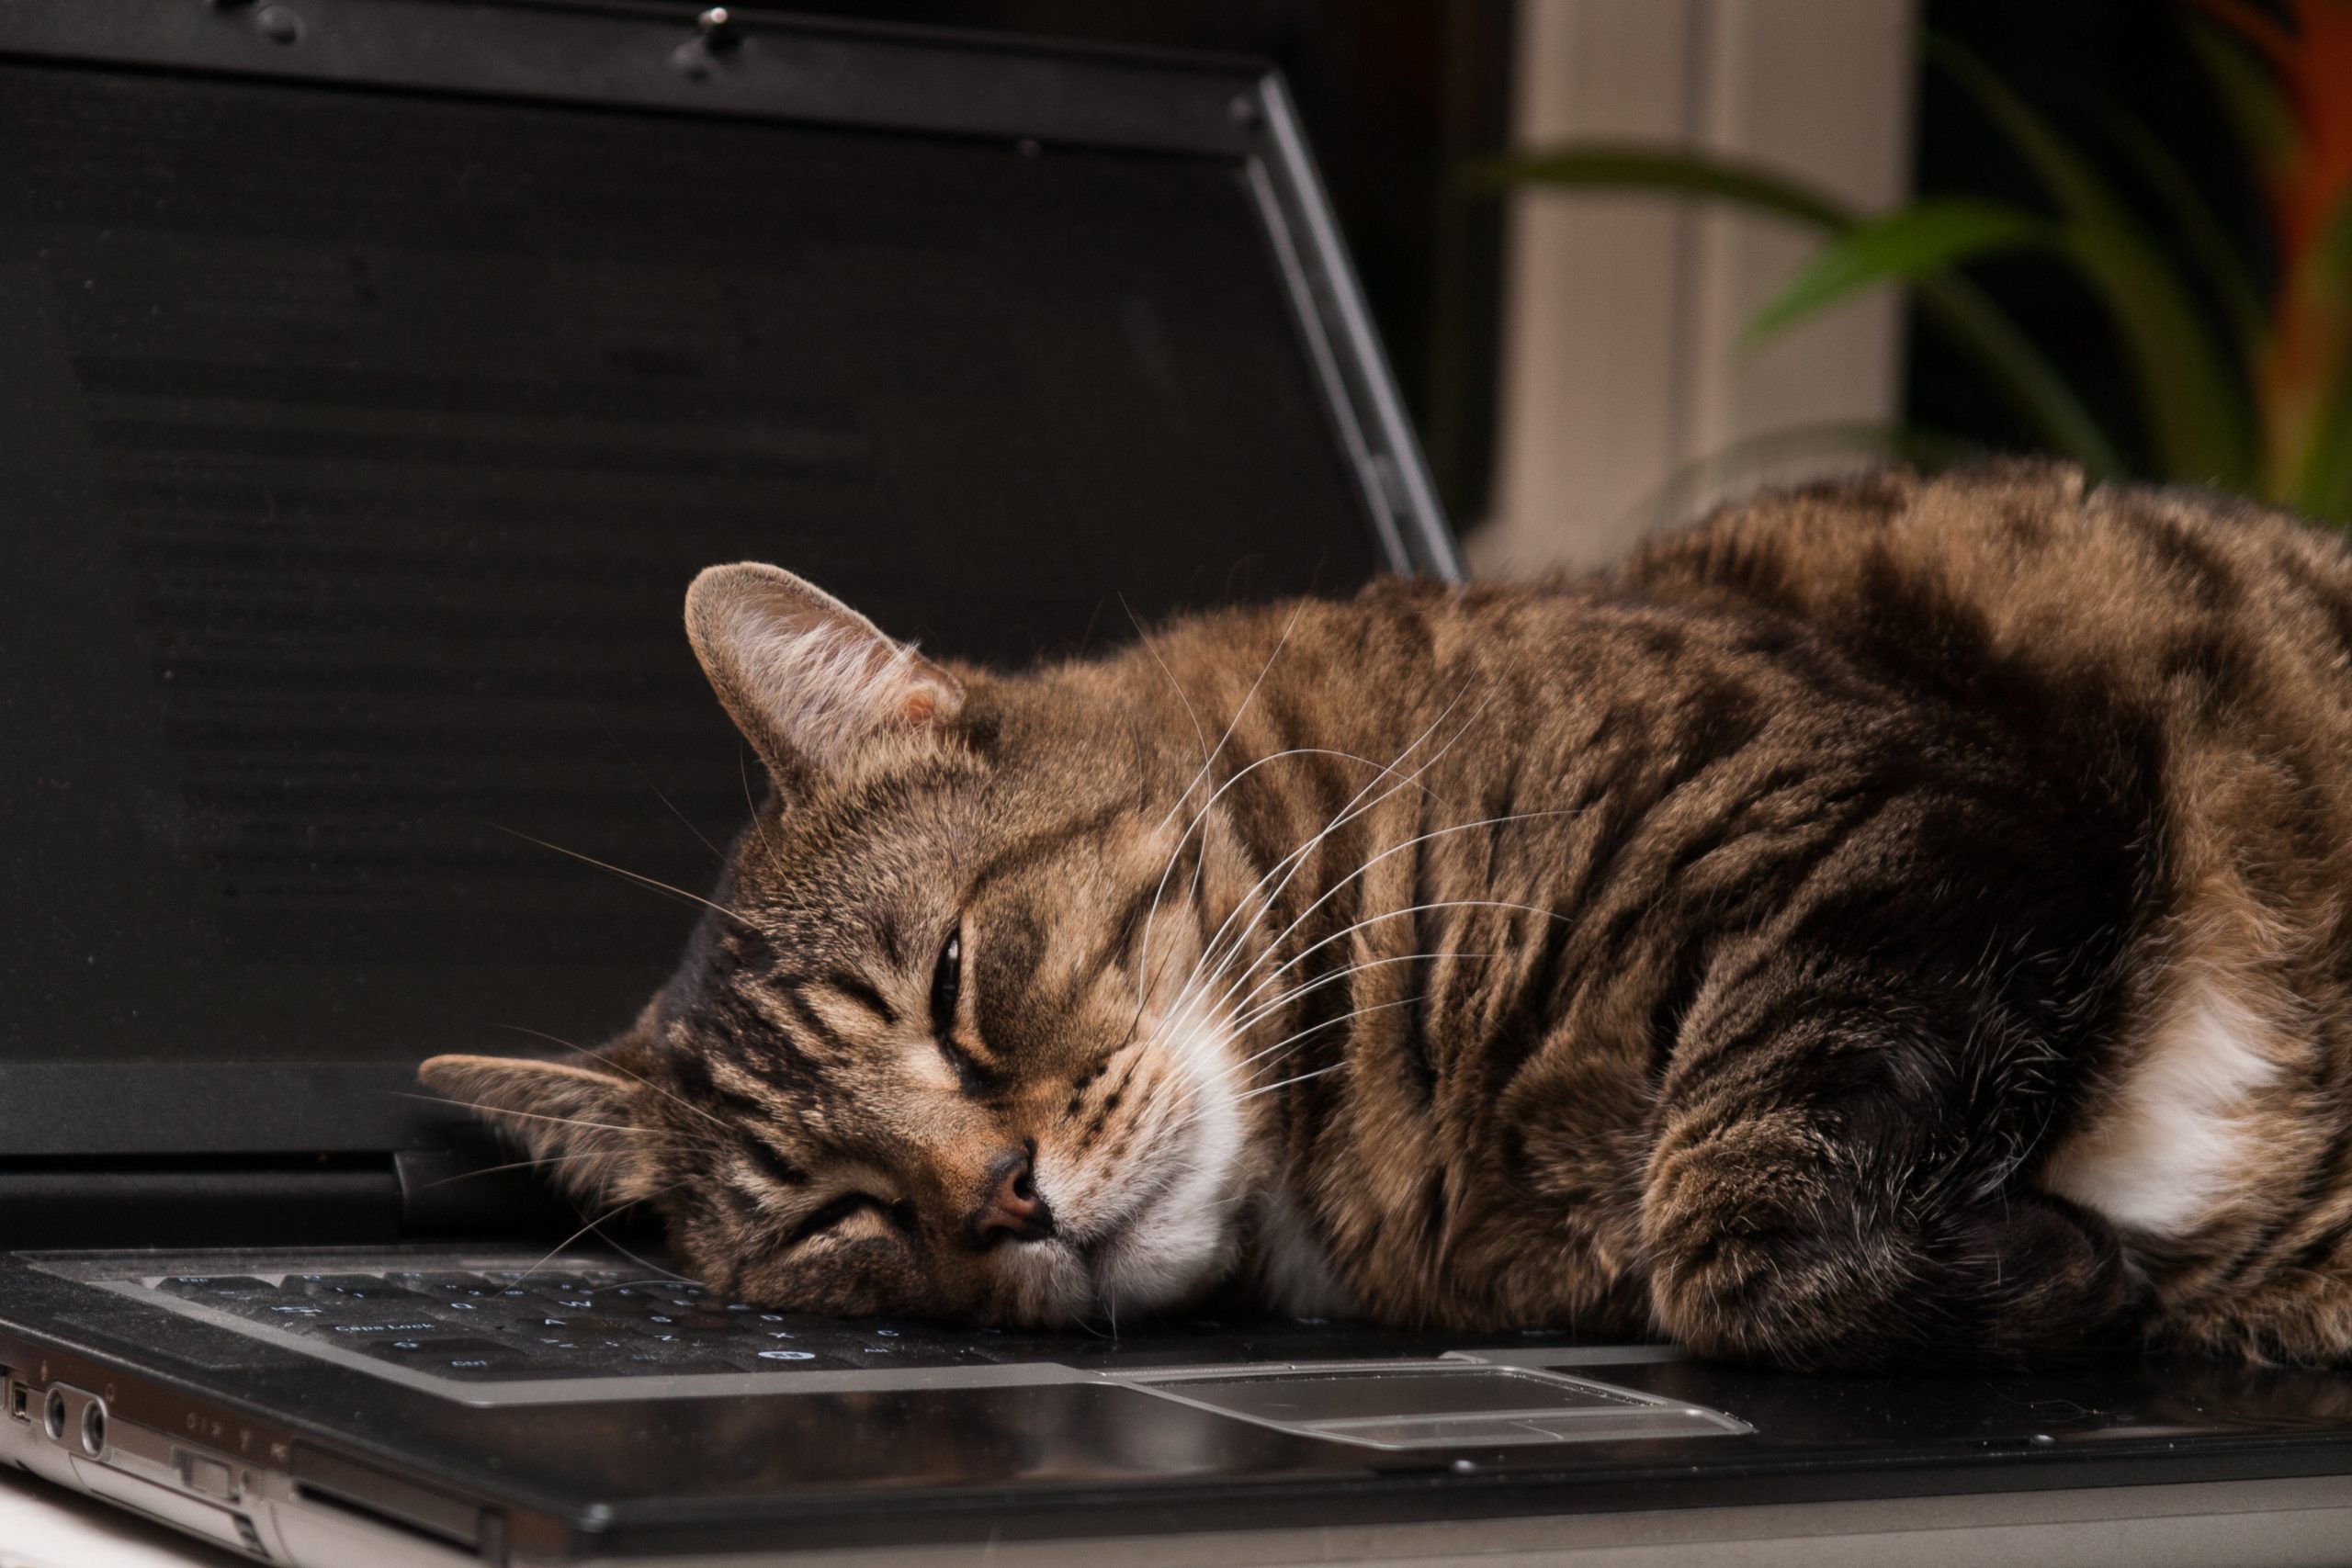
[{"x": 374, "y": 374}]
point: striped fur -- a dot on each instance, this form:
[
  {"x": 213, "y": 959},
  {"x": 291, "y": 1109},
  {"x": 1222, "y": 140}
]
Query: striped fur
[{"x": 1898, "y": 922}]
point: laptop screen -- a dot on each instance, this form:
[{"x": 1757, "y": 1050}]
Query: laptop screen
[{"x": 356, "y": 448}]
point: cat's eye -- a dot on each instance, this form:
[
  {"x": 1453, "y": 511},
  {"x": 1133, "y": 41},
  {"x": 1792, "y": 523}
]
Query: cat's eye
[
  {"x": 946, "y": 994},
  {"x": 947, "y": 985},
  {"x": 831, "y": 1214}
]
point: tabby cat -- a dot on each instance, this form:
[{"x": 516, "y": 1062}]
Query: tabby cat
[{"x": 1898, "y": 922}]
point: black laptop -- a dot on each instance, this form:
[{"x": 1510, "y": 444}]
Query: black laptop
[{"x": 374, "y": 374}]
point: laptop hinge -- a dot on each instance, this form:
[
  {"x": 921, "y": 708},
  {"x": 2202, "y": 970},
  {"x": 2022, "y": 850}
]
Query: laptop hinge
[
  {"x": 473, "y": 1189},
  {"x": 323, "y": 1200},
  {"x": 195, "y": 1203}
]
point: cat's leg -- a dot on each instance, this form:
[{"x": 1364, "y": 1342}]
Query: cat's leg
[
  {"x": 2303, "y": 1318},
  {"x": 1828, "y": 1201}
]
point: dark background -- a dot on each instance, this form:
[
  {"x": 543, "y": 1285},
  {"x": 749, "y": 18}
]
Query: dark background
[
  {"x": 2078, "y": 64},
  {"x": 359, "y": 497},
  {"x": 1397, "y": 96}
]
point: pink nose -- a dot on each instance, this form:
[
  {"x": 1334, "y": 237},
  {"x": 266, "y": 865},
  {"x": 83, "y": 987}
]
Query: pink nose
[{"x": 1013, "y": 1210}]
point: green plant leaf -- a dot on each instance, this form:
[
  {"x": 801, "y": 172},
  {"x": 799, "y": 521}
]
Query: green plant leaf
[
  {"x": 2249, "y": 95},
  {"x": 1926, "y": 236},
  {"x": 2313, "y": 442},
  {"x": 1602, "y": 165},
  {"x": 2326, "y": 492},
  {"x": 1976, "y": 327},
  {"x": 1984, "y": 332},
  {"x": 2206, "y": 238},
  {"x": 2200, "y": 416}
]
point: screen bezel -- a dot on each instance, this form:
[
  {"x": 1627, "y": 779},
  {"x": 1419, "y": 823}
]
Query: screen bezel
[{"x": 657, "y": 58}]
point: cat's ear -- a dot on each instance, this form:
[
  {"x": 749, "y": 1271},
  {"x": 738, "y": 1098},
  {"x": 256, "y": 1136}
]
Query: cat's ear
[
  {"x": 577, "y": 1116},
  {"x": 807, "y": 679}
]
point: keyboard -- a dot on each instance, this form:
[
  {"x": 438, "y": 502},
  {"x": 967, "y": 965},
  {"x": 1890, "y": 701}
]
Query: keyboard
[{"x": 595, "y": 1323}]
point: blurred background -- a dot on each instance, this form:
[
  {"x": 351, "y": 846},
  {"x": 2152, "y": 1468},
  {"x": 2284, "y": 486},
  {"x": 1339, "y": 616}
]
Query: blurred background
[{"x": 1635, "y": 257}]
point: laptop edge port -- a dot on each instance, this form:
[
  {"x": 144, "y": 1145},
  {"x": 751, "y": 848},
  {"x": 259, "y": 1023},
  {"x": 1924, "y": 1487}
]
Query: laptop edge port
[{"x": 94, "y": 1429}]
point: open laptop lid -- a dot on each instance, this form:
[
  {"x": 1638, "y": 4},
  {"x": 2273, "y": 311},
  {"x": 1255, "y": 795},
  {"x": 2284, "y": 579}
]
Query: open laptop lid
[{"x": 373, "y": 379}]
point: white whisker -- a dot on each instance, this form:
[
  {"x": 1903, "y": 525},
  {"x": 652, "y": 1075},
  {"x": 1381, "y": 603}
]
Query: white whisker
[
  {"x": 1292, "y": 1039},
  {"x": 637, "y": 877},
  {"x": 1332, "y": 977},
  {"x": 591, "y": 1226},
  {"x": 1296, "y": 858},
  {"x": 670, "y": 1095},
  {"x": 527, "y": 1115},
  {"x": 545, "y": 1160},
  {"x": 1248, "y": 697},
  {"x": 1144, "y": 640},
  {"x": 1194, "y": 783},
  {"x": 641, "y": 1262},
  {"x": 1398, "y": 849},
  {"x": 1144, "y": 948},
  {"x": 743, "y": 771},
  {"x": 1243, "y": 1099},
  {"x": 1416, "y": 910}
]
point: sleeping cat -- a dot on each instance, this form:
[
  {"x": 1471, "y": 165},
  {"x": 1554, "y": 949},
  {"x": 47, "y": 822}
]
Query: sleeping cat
[{"x": 1902, "y": 923}]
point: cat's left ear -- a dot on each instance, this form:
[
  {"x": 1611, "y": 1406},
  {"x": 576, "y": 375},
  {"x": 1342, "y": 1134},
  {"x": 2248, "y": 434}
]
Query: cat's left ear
[
  {"x": 807, "y": 679},
  {"x": 578, "y": 1116}
]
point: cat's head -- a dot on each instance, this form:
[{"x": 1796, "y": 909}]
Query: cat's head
[{"x": 934, "y": 1050}]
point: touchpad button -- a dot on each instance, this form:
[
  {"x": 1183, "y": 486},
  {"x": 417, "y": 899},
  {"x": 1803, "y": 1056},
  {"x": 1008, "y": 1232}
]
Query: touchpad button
[{"x": 1425, "y": 1405}]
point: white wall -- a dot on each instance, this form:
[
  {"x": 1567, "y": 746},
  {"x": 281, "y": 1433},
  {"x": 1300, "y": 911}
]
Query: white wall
[{"x": 1627, "y": 398}]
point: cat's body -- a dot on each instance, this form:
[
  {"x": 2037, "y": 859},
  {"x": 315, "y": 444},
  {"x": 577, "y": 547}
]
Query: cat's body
[{"x": 1899, "y": 922}]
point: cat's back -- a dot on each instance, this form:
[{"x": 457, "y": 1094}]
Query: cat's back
[
  {"x": 2167, "y": 602},
  {"x": 2203, "y": 643},
  {"x": 2204, "y": 646}
]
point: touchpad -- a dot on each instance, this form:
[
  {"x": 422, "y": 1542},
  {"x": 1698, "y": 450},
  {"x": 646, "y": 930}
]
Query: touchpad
[{"x": 1420, "y": 1404}]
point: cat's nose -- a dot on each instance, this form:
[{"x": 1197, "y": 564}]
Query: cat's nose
[{"x": 1013, "y": 1210}]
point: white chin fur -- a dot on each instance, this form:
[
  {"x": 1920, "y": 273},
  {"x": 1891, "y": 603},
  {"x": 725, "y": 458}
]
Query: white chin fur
[
  {"x": 1183, "y": 1234},
  {"x": 1049, "y": 1284}
]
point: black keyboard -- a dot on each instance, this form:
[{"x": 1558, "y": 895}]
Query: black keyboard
[{"x": 583, "y": 1324}]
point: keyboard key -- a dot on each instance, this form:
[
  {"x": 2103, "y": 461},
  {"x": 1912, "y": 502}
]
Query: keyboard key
[
  {"x": 678, "y": 1363},
  {"x": 877, "y": 1338},
  {"x": 353, "y": 1287},
  {"x": 217, "y": 1287},
  {"x": 963, "y": 1356},
  {"x": 376, "y": 1328},
  {"x": 1011, "y": 1350},
  {"x": 772, "y": 1337},
  {"x": 784, "y": 1358},
  {"x": 398, "y": 1348},
  {"x": 454, "y": 1357},
  {"x": 487, "y": 1324},
  {"x": 570, "y": 1325},
  {"x": 444, "y": 1284},
  {"x": 565, "y": 1284},
  {"x": 693, "y": 1322}
]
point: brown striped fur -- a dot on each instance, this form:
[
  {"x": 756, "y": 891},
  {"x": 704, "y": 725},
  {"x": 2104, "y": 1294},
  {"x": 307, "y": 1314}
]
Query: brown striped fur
[{"x": 1893, "y": 922}]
